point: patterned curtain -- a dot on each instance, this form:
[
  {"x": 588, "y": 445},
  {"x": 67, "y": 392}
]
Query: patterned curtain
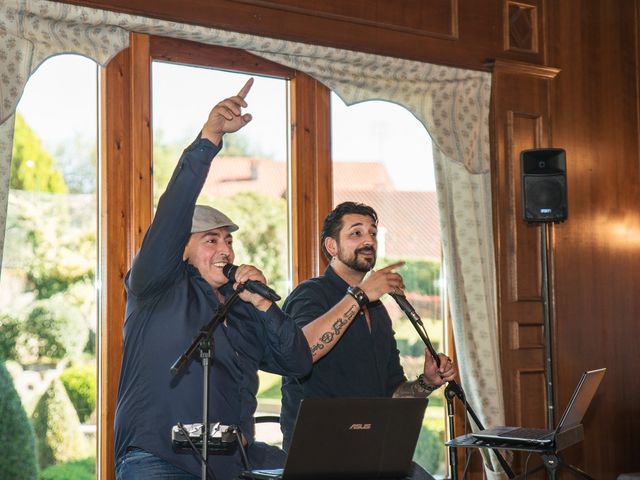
[
  {"x": 452, "y": 104},
  {"x": 464, "y": 200}
]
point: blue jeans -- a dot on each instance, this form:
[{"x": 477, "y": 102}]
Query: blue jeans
[{"x": 138, "y": 464}]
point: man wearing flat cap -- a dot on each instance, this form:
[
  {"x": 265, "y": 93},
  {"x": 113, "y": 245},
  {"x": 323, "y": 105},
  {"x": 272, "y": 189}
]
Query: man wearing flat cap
[{"x": 174, "y": 287}]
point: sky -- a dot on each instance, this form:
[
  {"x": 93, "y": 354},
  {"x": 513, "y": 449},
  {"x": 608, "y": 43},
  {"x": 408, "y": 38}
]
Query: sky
[{"x": 60, "y": 102}]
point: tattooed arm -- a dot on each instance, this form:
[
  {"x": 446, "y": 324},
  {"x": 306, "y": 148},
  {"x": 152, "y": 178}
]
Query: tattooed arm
[
  {"x": 432, "y": 378},
  {"x": 413, "y": 389},
  {"x": 325, "y": 331}
]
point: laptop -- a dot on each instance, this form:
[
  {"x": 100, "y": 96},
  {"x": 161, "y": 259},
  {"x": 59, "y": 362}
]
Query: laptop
[
  {"x": 572, "y": 416},
  {"x": 351, "y": 438}
]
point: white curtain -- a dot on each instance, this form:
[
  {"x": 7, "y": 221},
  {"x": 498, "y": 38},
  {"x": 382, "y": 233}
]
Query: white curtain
[
  {"x": 465, "y": 219},
  {"x": 452, "y": 104}
]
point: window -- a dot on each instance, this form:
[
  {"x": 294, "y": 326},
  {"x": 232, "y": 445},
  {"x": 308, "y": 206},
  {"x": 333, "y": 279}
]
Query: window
[
  {"x": 382, "y": 157},
  {"x": 247, "y": 180},
  {"x": 48, "y": 288}
]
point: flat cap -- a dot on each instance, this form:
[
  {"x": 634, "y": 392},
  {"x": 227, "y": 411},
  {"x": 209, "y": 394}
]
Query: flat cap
[{"x": 208, "y": 218}]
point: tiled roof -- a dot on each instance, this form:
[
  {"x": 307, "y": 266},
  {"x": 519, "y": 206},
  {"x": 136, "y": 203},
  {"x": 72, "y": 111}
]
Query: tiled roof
[
  {"x": 269, "y": 177},
  {"x": 231, "y": 175}
]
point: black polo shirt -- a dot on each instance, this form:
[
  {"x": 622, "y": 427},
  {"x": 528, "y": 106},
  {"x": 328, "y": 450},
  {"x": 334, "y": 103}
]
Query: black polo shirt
[{"x": 362, "y": 364}]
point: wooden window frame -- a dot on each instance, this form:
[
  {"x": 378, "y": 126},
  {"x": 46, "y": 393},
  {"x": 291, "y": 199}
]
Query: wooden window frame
[{"x": 126, "y": 188}]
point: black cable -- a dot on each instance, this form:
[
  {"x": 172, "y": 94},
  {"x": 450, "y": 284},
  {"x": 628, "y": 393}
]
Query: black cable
[
  {"x": 195, "y": 449},
  {"x": 243, "y": 453}
]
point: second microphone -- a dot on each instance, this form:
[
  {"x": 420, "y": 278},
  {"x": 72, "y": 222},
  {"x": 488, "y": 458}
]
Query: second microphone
[{"x": 229, "y": 271}]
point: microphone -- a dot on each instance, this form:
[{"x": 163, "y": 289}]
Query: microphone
[
  {"x": 406, "y": 307},
  {"x": 410, "y": 312},
  {"x": 229, "y": 271}
]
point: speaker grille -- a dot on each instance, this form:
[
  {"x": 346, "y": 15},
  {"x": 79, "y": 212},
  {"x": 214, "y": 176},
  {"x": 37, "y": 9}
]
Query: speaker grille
[
  {"x": 545, "y": 199},
  {"x": 546, "y": 195}
]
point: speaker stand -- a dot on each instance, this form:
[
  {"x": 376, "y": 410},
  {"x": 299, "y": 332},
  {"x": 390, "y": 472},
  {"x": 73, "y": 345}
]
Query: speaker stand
[{"x": 547, "y": 330}]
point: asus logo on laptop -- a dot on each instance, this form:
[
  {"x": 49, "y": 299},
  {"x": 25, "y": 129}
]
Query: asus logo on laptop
[{"x": 360, "y": 426}]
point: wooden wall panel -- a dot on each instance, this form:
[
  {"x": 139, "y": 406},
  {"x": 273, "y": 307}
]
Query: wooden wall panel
[
  {"x": 521, "y": 120},
  {"x": 436, "y": 18},
  {"x": 523, "y": 130},
  {"x": 462, "y": 33},
  {"x": 529, "y": 383},
  {"x": 523, "y": 26},
  {"x": 597, "y": 261}
]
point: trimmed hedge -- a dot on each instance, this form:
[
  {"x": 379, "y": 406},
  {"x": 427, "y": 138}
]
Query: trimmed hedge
[
  {"x": 80, "y": 383},
  {"x": 18, "y": 456},
  {"x": 57, "y": 428},
  {"x": 84, "y": 469}
]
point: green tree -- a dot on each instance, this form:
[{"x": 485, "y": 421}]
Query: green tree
[
  {"x": 32, "y": 167},
  {"x": 9, "y": 334},
  {"x": 421, "y": 276},
  {"x": 54, "y": 239},
  {"x": 60, "y": 245},
  {"x": 18, "y": 457},
  {"x": 165, "y": 157},
  {"x": 57, "y": 329}
]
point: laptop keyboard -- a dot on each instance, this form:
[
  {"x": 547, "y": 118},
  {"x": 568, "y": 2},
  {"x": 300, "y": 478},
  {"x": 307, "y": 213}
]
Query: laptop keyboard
[{"x": 533, "y": 433}]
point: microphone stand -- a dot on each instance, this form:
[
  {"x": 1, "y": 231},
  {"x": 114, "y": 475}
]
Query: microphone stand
[
  {"x": 204, "y": 342},
  {"x": 451, "y": 391}
]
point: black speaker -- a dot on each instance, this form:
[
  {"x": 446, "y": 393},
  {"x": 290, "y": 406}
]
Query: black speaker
[{"x": 544, "y": 185}]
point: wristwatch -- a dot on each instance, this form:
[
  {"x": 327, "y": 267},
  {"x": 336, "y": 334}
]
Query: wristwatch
[
  {"x": 427, "y": 387},
  {"x": 359, "y": 295}
]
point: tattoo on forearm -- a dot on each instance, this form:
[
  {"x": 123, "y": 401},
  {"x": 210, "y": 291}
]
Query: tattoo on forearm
[
  {"x": 327, "y": 337},
  {"x": 351, "y": 313},
  {"x": 316, "y": 348},
  {"x": 337, "y": 328},
  {"x": 410, "y": 389}
]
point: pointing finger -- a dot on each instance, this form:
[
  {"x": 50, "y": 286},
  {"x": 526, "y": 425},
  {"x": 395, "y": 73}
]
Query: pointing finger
[
  {"x": 393, "y": 266},
  {"x": 245, "y": 90}
]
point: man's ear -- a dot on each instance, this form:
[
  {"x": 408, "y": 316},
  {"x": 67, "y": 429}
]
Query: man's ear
[
  {"x": 331, "y": 245},
  {"x": 185, "y": 254}
]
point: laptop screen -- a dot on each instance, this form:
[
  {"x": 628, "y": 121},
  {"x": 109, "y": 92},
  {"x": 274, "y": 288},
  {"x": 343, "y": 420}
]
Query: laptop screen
[
  {"x": 354, "y": 438},
  {"x": 581, "y": 398}
]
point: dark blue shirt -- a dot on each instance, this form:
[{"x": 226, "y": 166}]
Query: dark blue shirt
[
  {"x": 363, "y": 363},
  {"x": 168, "y": 302}
]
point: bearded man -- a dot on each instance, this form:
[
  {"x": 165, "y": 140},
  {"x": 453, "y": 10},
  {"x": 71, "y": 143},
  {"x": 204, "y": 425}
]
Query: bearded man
[{"x": 348, "y": 329}]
